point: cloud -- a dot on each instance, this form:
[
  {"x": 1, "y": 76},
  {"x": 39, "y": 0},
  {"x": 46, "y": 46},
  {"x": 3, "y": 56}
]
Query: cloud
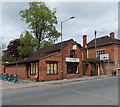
[
  {"x": 89, "y": 16},
  {"x": 12, "y": 25}
]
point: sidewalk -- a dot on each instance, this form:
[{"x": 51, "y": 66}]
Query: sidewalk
[{"x": 25, "y": 83}]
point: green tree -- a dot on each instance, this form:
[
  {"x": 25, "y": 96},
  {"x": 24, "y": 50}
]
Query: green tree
[
  {"x": 28, "y": 45},
  {"x": 42, "y": 22}
]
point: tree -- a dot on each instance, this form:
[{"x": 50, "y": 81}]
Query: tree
[
  {"x": 42, "y": 22},
  {"x": 11, "y": 53},
  {"x": 28, "y": 45},
  {"x": 12, "y": 48},
  {"x": 92, "y": 60}
]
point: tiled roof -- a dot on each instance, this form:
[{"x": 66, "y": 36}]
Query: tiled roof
[
  {"x": 52, "y": 48},
  {"x": 102, "y": 41},
  {"x": 43, "y": 52}
]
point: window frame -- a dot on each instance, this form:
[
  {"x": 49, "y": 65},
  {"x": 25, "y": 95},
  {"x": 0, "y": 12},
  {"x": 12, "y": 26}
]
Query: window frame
[
  {"x": 118, "y": 64},
  {"x": 77, "y": 71},
  {"x": 52, "y": 64},
  {"x": 100, "y": 52},
  {"x": 73, "y": 51},
  {"x": 29, "y": 67}
]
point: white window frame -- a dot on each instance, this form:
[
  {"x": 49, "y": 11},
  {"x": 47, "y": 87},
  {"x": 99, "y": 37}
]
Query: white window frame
[
  {"x": 100, "y": 52},
  {"x": 118, "y": 64}
]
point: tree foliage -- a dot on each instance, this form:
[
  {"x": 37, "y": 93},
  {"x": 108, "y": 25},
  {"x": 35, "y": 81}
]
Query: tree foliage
[
  {"x": 11, "y": 53},
  {"x": 12, "y": 48},
  {"x": 92, "y": 60},
  {"x": 28, "y": 45},
  {"x": 42, "y": 22}
]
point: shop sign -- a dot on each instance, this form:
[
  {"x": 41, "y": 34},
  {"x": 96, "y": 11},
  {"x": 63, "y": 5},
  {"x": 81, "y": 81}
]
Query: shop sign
[
  {"x": 104, "y": 57},
  {"x": 72, "y": 59}
]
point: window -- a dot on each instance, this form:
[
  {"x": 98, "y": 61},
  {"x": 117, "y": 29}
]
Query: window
[
  {"x": 74, "y": 46},
  {"x": 52, "y": 67},
  {"x": 118, "y": 64},
  {"x": 72, "y": 53},
  {"x": 32, "y": 68},
  {"x": 72, "y": 68},
  {"x": 100, "y": 52}
]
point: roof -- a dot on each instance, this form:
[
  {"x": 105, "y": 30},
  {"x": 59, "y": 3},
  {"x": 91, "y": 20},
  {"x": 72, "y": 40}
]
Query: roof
[
  {"x": 30, "y": 59},
  {"x": 43, "y": 52},
  {"x": 52, "y": 48},
  {"x": 102, "y": 41}
]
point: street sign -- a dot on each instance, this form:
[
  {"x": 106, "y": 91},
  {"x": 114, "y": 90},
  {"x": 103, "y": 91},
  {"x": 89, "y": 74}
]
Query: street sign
[{"x": 104, "y": 57}]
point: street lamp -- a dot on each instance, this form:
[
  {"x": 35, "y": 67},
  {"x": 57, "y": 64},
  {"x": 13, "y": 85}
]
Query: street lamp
[{"x": 62, "y": 47}]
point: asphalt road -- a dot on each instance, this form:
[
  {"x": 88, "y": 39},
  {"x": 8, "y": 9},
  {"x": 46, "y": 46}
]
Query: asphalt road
[{"x": 93, "y": 92}]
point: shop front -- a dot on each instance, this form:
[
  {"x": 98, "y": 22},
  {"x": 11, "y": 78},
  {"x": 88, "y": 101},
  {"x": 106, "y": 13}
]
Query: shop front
[{"x": 72, "y": 65}]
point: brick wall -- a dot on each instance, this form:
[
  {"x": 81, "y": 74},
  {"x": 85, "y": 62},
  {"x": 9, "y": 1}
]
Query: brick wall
[
  {"x": 87, "y": 67},
  {"x": 43, "y": 67},
  {"x": 78, "y": 54},
  {"x": 112, "y": 50},
  {"x": 57, "y": 57},
  {"x": 1, "y": 67},
  {"x": 20, "y": 70}
]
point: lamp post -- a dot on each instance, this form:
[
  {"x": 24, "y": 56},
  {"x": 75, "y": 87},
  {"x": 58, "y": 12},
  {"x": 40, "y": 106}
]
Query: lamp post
[{"x": 62, "y": 47}]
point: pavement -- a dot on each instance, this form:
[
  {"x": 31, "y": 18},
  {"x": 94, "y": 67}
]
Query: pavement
[{"x": 25, "y": 83}]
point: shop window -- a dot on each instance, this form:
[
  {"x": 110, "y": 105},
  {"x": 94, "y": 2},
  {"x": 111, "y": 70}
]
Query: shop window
[
  {"x": 72, "y": 53},
  {"x": 33, "y": 68},
  {"x": 72, "y": 68},
  {"x": 52, "y": 67}
]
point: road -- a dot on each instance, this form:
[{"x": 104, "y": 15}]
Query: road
[{"x": 93, "y": 92}]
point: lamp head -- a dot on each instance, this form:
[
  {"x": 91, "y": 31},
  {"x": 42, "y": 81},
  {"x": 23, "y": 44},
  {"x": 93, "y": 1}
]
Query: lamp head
[{"x": 72, "y": 17}]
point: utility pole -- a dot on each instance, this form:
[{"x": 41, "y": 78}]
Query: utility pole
[{"x": 95, "y": 42}]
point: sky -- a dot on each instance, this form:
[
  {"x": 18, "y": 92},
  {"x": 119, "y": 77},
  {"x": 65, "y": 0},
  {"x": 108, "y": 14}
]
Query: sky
[{"x": 89, "y": 16}]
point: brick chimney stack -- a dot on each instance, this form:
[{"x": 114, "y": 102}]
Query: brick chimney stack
[
  {"x": 112, "y": 35},
  {"x": 84, "y": 41},
  {"x": 84, "y": 47}
]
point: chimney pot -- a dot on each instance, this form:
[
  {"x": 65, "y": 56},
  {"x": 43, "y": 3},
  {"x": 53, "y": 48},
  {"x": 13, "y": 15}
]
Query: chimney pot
[{"x": 112, "y": 35}]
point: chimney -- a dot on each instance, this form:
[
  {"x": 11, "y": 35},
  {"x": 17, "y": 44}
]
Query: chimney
[
  {"x": 85, "y": 41},
  {"x": 112, "y": 35},
  {"x": 84, "y": 54}
]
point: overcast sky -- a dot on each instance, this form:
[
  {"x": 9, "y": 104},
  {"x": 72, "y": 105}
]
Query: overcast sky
[{"x": 89, "y": 16}]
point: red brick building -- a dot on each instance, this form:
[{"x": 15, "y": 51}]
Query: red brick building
[
  {"x": 48, "y": 64},
  {"x": 105, "y": 45}
]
